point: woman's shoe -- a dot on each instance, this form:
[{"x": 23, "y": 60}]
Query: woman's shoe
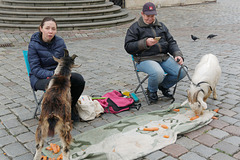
[{"x": 74, "y": 115}]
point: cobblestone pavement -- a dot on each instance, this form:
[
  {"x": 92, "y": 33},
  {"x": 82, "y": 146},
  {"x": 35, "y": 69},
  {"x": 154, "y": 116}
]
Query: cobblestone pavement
[{"x": 106, "y": 66}]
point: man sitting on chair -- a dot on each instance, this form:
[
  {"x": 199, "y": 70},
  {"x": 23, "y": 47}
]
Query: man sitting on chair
[{"x": 149, "y": 41}]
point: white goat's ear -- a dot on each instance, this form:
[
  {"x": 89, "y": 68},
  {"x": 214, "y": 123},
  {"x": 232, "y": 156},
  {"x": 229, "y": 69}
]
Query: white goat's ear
[
  {"x": 203, "y": 104},
  {"x": 184, "y": 103},
  {"x": 56, "y": 59}
]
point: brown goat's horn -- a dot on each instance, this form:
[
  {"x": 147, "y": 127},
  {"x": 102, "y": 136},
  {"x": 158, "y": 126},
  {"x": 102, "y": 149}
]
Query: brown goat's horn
[
  {"x": 74, "y": 56},
  {"x": 189, "y": 97},
  {"x": 66, "y": 54},
  {"x": 195, "y": 96}
]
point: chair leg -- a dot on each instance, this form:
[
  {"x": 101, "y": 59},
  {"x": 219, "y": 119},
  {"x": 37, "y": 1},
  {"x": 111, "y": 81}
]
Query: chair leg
[
  {"x": 140, "y": 85},
  {"x": 145, "y": 95},
  {"x": 140, "y": 82},
  {"x": 37, "y": 104}
]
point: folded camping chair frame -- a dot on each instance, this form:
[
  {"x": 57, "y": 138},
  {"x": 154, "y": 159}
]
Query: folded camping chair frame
[
  {"x": 38, "y": 102},
  {"x": 146, "y": 77},
  {"x": 140, "y": 82}
]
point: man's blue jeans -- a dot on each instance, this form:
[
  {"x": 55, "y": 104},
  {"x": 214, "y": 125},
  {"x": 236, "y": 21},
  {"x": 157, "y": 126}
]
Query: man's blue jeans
[{"x": 163, "y": 73}]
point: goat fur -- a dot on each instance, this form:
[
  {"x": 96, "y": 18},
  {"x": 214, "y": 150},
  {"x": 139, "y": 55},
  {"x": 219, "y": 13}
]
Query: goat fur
[
  {"x": 204, "y": 81},
  {"x": 55, "y": 116}
]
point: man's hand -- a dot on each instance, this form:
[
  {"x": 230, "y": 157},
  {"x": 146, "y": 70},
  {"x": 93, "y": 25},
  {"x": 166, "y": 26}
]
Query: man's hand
[
  {"x": 179, "y": 60},
  {"x": 150, "y": 42}
]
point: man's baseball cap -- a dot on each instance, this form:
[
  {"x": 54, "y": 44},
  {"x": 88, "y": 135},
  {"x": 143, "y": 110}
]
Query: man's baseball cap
[{"x": 149, "y": 9}]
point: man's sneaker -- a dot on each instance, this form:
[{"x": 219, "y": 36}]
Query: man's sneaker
[
  {"x": 152, "y": 96},
  {"x": 165, "y": 92}
]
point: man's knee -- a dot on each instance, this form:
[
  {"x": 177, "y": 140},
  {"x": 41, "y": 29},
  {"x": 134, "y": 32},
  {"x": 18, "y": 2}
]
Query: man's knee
[
  {"x": 159, "y": 75},
  {"x": 182, "y": 73}
]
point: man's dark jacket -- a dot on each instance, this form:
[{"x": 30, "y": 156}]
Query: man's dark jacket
[
  {"x": 135, "y": 42},
  {"x": 40, "y": 56}
]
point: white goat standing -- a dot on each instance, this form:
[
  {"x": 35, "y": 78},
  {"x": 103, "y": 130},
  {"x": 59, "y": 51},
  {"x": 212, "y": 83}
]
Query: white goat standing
[{"x": 204, "y": 81}]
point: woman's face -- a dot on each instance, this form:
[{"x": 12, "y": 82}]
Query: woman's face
[
  {"x": 48, "y": 30},
  {"x": 148, "y": 19}
]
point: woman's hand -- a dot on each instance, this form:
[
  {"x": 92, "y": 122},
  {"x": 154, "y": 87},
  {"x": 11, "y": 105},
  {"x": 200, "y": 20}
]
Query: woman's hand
[
  {"x": 179, "y": 60},
  {"x": 150, "y": 42}
]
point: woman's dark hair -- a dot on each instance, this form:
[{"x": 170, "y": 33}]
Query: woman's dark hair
[{"x": 45, "y": 20}]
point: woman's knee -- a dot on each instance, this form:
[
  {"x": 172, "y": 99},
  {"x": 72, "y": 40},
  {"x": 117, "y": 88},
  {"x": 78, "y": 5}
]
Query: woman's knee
[{"x": 77, "y": 80}]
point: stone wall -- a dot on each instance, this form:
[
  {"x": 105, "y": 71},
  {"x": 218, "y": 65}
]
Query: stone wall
[{"x": 136, "y": 4}]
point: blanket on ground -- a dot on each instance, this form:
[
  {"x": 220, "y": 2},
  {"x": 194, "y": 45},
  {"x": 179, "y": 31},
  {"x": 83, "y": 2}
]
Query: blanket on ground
[{"x": 125, "y": 139}]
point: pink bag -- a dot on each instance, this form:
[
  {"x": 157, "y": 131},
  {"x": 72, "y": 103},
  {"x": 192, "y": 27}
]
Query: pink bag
[{"x": 115, "y": 102}]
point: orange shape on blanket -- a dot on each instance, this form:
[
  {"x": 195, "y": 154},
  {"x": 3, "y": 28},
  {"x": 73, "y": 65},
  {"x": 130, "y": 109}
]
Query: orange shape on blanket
[
  {"x": 214, "y": 117},
  {"x": 166, "y": 136},
  {"x": 176, "y": 110},
  {"x": 44, "y": 157},
  {"x": 216, "y": 110},
  {"x": 49, "y": 148},
  {"x": 55, "y": 148},
  {"x": 164, "y": 126},
  {"x": 151, "y": 129},
  {"x": 193, "y": 118},
  {"x": 60, "y": 157}
]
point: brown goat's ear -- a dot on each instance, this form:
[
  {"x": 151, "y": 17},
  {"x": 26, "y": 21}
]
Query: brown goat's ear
[
  {"x": 66, "y": 54},
  {"x": 76, "y": 66},
  {"x": 56, "y": 59},
  {"x": 74, "y": 56}
]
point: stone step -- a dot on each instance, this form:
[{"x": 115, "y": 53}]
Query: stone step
[
  {"x": 48, "y": 3},
  {"x": 50, "y": 0},
  {"x": 67, "y": 20},
  {"x": 71, "y": 26},
  {"x": 56, "y": 8},
  {"x": 70, "y": 15},
  {"x": 114, "y": 9}
]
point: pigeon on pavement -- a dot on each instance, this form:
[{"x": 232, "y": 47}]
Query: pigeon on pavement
[
  {"x": 210, "y": 36},
  {"x": 194, "y": 37}
]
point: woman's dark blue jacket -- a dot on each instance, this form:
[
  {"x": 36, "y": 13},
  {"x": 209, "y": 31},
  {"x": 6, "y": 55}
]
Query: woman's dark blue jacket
[{"x": 40, "y": 56}]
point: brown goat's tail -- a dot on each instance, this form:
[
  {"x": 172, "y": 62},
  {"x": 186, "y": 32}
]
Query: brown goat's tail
[{"x": 52, "y": 121}]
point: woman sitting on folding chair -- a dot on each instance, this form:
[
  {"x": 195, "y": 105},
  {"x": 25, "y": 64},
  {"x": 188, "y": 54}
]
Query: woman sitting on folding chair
[
  {"x": 149, "y": 41},
  {"x": 42, "y": 47}
]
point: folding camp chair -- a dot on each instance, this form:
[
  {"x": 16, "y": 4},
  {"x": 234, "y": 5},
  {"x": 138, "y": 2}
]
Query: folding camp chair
[
  {"x": 38, "y": 102},
  {"x": 140, "y": 82}
]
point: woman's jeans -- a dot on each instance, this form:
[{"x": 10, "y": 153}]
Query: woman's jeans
[{"x": 163, "y": 74}]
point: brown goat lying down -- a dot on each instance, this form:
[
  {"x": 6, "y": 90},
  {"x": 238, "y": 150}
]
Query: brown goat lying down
[{"x": 55, "y": 116}]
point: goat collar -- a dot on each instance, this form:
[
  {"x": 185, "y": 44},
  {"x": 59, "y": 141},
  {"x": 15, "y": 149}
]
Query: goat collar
[{"x": 198, "y": 85}]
